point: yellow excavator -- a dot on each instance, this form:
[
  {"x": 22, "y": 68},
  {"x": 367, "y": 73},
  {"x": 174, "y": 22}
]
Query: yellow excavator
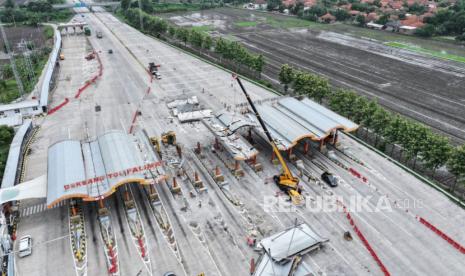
[{"x": 285, "y": 181}]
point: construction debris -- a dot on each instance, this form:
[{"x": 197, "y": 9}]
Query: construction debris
[
  {"x": 282, "y": 251},
  {"x": 224, "y": 125},
  {"x": 188, "y": 110}
]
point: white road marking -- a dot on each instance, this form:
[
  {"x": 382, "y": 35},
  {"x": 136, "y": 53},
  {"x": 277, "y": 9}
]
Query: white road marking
[{"x": 38, "y": 208}]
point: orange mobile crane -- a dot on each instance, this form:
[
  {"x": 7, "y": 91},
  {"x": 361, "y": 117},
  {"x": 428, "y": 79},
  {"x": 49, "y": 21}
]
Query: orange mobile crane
[{"x": 285, "y": 181}]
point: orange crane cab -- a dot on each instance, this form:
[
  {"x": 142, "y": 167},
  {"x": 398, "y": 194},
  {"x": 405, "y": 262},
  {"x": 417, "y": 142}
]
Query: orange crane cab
[{"x": 285, "y": 181}]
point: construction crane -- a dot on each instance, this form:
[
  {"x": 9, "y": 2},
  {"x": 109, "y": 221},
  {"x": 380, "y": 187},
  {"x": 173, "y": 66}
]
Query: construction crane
[{"x": 285, "y": 181}]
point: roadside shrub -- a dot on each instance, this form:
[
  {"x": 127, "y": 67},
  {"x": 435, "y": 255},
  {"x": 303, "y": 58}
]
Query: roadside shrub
[
  {"x": 341, "y": 14},
  {"x": 425, "y": 31}
]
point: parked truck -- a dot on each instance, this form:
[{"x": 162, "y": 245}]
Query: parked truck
[{"x": 87, "y": 31}]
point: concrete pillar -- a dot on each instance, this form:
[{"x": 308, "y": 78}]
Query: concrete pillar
[
  {"x": 291, "y": 156},
  {"x": 335, "y": 136},
  {"x": 217, "y": 144},
  {"x": 126, "y": 195},
  {"x": 218, "y": 175},
  {"x": 253, "y": 160},
  {"x": 175, "y": 183},
  {"x": 237, "y": 169},
  {"x": 306, "y": 147},
  {"x": 198, "y": 150},
  {"x": 175, "y": 188},
  {"x": 179, "y": 150},
  {"x": 73, "y": 210},
  {"x": 197, "y": 182}
]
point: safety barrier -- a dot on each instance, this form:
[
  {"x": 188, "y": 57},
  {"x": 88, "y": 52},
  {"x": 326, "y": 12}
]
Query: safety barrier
[
  {"x": 141, "y": 246},
  {"x": 93, "y": 80},
  {"x": 351, "y": 170},
  {"x": 50, "y": 67},
  {"x": 133, "y": 121},
  {"x": 113, "y": 261},
  {"x": 365, "y": 241},
  {"x": 150, "y": 75},
  {"x": 433, "y": 228},
  {"x": 58, "y": 107},
  {"x": 357, "y": 174},
  {"x": 134, "y": 118}
]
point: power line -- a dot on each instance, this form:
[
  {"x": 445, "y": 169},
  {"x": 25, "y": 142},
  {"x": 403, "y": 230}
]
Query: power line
[{"x": 12, "y": 61}]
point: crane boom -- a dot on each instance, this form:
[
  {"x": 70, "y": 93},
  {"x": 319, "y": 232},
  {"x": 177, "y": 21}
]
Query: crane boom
[
  {"x": 286, "y": 181},
  {"x": 265, "y": 129}
]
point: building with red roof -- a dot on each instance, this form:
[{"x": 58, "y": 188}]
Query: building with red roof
[
  {"x": 412, "y": 21},
  {"x": 372, "y": 16},
  {"x": 289, "y": 3},
  {"x": 327, "y": 18}
]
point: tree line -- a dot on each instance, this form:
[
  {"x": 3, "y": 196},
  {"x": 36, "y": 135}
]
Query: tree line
[
  {"x": 8, "y": 87},
  {"x": 447, "y": 21},
  {"x": 33, "y": 13},
  {"x": 228, "y": 50},
  {"x": 418, "y": 141}
]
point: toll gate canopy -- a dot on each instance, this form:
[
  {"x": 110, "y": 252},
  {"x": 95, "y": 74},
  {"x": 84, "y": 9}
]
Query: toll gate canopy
[
  {"x": 93, "y": 170},
  {"x": 290, "y": 120}
]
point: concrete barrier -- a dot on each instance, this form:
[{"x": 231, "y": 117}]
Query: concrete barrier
[
  {"x": 50, "y": 67},
  {"x": 58, "y": 107},
  {"x": 443, "y": 235},
  {"x": 364, "y": 241}
]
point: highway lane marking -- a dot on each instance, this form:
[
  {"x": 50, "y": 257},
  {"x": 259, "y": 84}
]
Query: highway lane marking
[{"x": 38, "y": 208}]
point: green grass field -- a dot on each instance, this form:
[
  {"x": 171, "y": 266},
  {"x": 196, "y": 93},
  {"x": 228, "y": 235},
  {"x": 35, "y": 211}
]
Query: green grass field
[
  {"x": 9, "y": 92},
  {"x": 288, "y": 22},
  {"x": 246, "y": 24},
  {"x": 204, "y": 28},
  {"x": 433, "y": 53}
]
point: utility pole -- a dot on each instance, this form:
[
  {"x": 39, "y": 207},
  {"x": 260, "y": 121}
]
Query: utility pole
[
  {"x": 27, "y": 59},
  {"x": 12, "y": 61}
]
